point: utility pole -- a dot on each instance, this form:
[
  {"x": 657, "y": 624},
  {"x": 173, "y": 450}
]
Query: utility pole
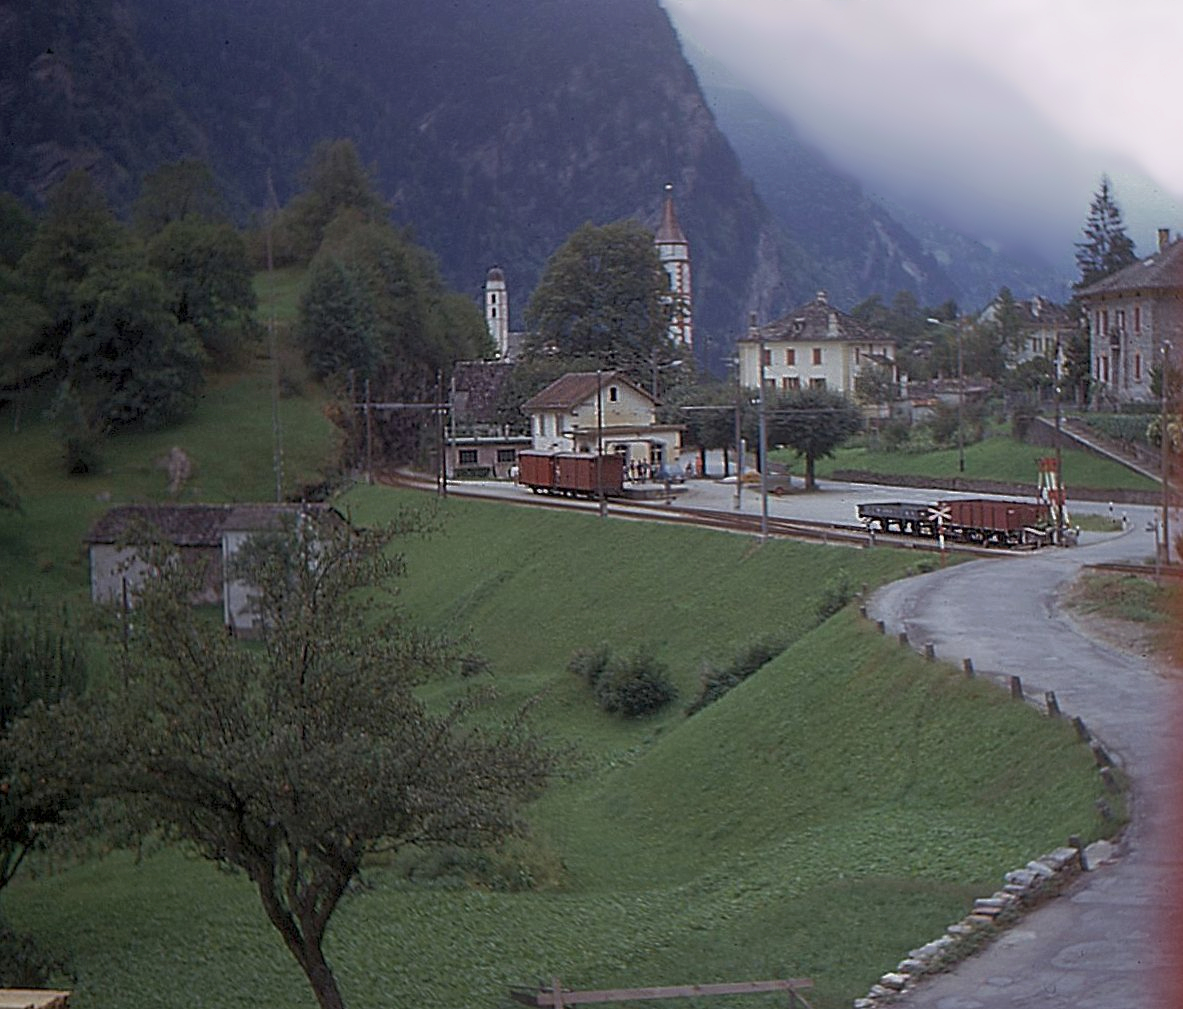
[
  {"x": 600, "y": 442},
  {"x": 738, "y": 436},
  {"x": 960, "y": 406},
  {"x": 1166, "y": 455},
  {"x": 1059, "y": 509},
  {"x": 763, "y": 448}
]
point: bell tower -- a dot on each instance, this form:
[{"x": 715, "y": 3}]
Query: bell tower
[
  {"x": 674, "y": 252},
  {"x": 497, "y": 310}
]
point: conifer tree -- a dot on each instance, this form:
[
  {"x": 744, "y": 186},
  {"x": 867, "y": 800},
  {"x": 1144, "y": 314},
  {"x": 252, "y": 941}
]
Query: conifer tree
[{"x": 1106, "y": 247}]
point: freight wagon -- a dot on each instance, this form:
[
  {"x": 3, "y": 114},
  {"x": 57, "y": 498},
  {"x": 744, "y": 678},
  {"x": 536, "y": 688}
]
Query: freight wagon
[
  {"x": 574, "y": 474},
  {"x": 972, "y": 520}
]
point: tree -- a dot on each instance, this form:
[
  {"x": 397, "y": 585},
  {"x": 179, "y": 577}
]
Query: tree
[
  {"x": 875, "y": 384},
  {"x": 813, "y": 422},
  {"x": 374, "y": 302},
  {"x": 1078, "y": 364},
  {"x": 207, "y": 276},
  {"x": 41, "y": 665},
  {"x": 78, "y": 234},
  {"x": 1008, "y": 324},
  {"x": 1106, "y": 247},
  {"x": 604, "y": 293},
  {"x": 17, "y": 228},
  {"x": 127, "y": 361},
  {"x": 23, "y": 358},
  {"x": 338, "y": 320},
  {"x": 334, "y": 181},
  {"x": 10, "y": 500},
  {"x": 178, "y": 192},
  {"x": 293, "y": 761}
]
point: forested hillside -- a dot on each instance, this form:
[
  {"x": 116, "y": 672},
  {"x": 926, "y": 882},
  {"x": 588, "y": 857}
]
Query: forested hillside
[{"x": 495, "y": 130}]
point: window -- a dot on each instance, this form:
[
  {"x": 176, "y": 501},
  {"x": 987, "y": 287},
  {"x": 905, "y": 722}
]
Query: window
[
  {"x": 767, "y": 357},
  {"x": 613, "y": 394},
  {"x": 790, "y": 357},
  {"x": 1105, "y": 369},
  {"x": 1119, "y": 319},
  {"x": 817, "y": 355},
  {"x": 1137, "y": 318},
  {"x": 793, "y": 383},
  {"x": 817, "y": 383},
  {"x": 468, "y": 457},
  {"x": 507, "y": 455},
  {"x": 1137, "y": 367}
]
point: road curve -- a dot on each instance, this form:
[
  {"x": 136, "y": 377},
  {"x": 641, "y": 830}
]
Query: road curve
[{"x": 1105, "y": 944}]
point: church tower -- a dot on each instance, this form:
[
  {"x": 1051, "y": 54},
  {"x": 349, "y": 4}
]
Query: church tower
[
  {"x": 497, "y": 311},
  {"x": 674, "y": 251}
]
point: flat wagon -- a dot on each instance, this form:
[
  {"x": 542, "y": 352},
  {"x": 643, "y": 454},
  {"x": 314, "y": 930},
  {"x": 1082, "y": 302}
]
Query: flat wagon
[
  {"x": 907, "y": 517},
  {"x": 574, "y": 474}
]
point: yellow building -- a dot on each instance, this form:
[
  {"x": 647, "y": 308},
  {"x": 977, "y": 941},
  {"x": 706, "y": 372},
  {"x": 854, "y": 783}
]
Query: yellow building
[{"x": 814, "y": 346}]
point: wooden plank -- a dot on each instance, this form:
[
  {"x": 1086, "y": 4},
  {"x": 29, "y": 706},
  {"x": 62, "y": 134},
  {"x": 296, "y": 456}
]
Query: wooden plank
[
  {"x": 568, "y": 998},
  {"x": 33, "y": 998}
]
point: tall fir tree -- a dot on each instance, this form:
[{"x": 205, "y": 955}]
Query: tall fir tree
[{"x": 1106, "y": 247}]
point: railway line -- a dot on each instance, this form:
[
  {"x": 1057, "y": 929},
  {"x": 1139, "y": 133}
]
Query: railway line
[{"x": 837, "y": 533}]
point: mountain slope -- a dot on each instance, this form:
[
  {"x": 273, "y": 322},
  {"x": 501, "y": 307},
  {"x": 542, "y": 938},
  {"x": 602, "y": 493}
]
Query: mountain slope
[
  {"x": 860, "y": 244},
  {"x": 495, "y": 130}
]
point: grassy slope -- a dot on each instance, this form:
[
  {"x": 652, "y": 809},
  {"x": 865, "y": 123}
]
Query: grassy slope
[
  {"x": 228, "y": 439},
  {"x": 841, "y": 806},
  {"x": 997, "y": 458}
]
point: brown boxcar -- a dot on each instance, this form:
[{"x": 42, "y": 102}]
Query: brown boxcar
[
  {"x": 982, "y": 520},
  {"x": 536, "y": 470},
  {"x": 572, "y": 473}
]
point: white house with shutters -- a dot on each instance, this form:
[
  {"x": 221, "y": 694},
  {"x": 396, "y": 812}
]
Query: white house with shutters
[{"x": 582, "y": 411}]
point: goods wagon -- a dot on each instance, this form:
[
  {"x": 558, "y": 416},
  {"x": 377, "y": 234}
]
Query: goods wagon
[
  {"x": 973, "y": 520},
  {"x": 575, "y": 474}
]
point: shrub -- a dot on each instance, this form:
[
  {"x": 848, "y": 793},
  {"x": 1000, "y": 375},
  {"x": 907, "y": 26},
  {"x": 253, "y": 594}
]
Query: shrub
[
  {"x": 835, "y": 595},
  {"x": 716, "y": 682},
  {"x": 895, "y": 435},
  {"x": 589, "y": 664},
  {"x": 23, "y": 964},
  {"x": 634, "y": 686}
]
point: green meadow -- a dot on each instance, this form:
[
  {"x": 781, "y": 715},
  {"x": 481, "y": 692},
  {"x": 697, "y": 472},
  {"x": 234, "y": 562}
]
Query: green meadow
[
  {"x": 995, "y": 458},
  {"x": 839, "y": 807}
]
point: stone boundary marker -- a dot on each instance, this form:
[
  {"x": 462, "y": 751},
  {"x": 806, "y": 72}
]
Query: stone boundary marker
[{"x": 1023, "y": 888}]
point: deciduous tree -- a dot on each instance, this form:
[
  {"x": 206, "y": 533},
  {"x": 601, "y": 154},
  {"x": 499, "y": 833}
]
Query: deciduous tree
[
  {"x": 293, "y": 761},
  {"x": 207, "y": 277},
  {"x": 604, "y": 293},
  {"x": 41, "y": 665},
  {"x": 813, "y": 422}
]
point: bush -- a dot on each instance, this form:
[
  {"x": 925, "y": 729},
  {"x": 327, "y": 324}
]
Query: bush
[
  {"x": 634, "y": 686},
  {"x": 716, "y": 682},
  {"x": 835, "y": 595},
  {"x": 23, "y": 964},
  {"x": 589, "y": 664},
  {"x": 895, "y": 435}
]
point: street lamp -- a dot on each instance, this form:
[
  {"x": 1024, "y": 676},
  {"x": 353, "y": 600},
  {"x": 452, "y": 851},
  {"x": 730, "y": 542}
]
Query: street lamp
[{"x": 960, "y": 391}]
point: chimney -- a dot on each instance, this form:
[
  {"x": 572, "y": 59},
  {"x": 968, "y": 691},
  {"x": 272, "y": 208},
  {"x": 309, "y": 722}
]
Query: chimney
[{"x": 1164, "y": 238}]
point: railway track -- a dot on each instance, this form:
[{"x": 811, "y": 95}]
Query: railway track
[{"x": 838, "y": 533}]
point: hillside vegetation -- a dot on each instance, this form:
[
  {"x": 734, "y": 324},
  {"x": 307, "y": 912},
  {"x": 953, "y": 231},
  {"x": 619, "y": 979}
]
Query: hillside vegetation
[{"x": 837, "y": 808}]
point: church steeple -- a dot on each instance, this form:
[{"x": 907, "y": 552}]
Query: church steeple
[
  {"x": 674, "y": 252},
  {"x": 497, "y": 310}
]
